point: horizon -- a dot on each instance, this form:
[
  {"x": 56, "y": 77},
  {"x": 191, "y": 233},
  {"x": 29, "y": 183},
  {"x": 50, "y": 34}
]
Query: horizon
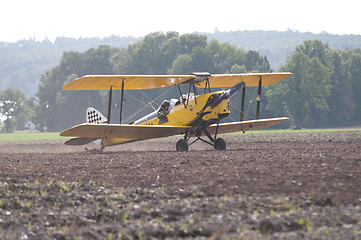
[
  {"x": 41, "y": 19},
  {"x": 196, "y": 32}
]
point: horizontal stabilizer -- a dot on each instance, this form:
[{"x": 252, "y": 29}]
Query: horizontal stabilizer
[
  {"x": 245, "y": 125},
  {"x": 80, "y": 141}
]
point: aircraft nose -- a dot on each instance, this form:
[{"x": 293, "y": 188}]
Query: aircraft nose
[{"x": 227, "y": 94}]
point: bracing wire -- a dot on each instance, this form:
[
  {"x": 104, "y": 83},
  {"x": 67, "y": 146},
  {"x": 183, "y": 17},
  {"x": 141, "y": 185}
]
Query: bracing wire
[
  {"x": 248, "y": 107},
  {"x": 254, "y": 92},
  {"x": 145, "y": 104}
]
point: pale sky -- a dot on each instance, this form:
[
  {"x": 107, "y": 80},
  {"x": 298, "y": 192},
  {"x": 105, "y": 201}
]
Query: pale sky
[{"x": 24, "y": 19}]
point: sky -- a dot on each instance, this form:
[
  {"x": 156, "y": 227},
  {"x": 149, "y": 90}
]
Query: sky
[{"x": 40, "y": 19}]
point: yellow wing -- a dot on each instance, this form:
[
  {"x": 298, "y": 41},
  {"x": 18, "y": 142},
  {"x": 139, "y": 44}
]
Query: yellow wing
[
  {"x": 245, "y": 125},
  {"x": 250, "y": 79},
  {"x": 88, "y": 130},
  {"x": 131, "y": 82}
]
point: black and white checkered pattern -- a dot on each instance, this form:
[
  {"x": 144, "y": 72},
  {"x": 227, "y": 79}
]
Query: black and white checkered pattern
[{"x": 94, "y": 116}]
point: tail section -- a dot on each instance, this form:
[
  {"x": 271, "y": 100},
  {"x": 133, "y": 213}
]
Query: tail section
[
  {"x": 94, "y": 116},
  {"x": 80, "y": 141}
]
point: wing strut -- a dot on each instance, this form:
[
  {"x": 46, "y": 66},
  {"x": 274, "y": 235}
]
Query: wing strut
[
  {"x": 259, "y": 96},
  {"x": 243, "y": 99},
  {"x": 121, "y": 102},
  {"x": 207, "y": 86},
  {"x": 181, "y": 96},
  {"x": 195, "y": 94},
  {"x": 110, "y": 103},
  {"x": 189, "y": 93}
]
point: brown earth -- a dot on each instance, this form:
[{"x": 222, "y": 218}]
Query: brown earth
[{"x": 264, "y": 186}]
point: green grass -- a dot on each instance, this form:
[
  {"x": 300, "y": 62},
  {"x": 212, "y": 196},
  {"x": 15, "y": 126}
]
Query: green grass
[
  {"x": 305, "y": 130},
  {"x": 29, "y": 136}
]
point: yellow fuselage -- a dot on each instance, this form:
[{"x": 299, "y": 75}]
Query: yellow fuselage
[{"x": 195, "y": 110}]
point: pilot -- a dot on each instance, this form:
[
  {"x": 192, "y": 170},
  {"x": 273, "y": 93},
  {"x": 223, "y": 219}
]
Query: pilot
[{"x": 164, "y": 109}]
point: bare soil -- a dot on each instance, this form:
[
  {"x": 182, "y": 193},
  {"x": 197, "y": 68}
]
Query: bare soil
[{"x": 264, "y": 186}]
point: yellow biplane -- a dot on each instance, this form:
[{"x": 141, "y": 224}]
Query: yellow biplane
[{"x": 192, "y": 115}]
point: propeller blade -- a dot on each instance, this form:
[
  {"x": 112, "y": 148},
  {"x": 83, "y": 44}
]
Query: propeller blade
[
  {"x": 227, "y": 94},
  {"x": 235, "y": 88}
]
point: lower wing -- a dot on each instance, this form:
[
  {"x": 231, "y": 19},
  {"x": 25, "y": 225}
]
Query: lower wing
[
  {"x": 245, "y": 125},
  {"x": 125, "y": 131}
]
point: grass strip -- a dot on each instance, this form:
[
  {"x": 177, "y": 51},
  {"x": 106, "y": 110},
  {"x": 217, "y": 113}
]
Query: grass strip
[{"x": 29, "y": 136}]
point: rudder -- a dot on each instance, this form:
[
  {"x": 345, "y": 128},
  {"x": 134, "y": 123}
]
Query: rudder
[{"x": 94, "y": 116}]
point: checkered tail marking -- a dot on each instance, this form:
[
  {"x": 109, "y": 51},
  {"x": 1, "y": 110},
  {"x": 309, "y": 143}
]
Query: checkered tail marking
[{"x": 94, "y": 116}]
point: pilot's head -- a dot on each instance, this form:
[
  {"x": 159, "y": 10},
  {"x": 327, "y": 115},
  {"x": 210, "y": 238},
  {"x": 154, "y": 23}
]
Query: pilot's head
[{"x": 165, "y": 104}]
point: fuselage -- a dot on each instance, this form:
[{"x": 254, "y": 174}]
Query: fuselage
[{"x": 191, "y": 111}]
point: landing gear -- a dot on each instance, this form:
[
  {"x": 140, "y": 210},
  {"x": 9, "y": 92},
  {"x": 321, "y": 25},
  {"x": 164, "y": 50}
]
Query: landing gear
[
  {"x": 217, "y": 143},
  {"x": 182, "y": 145},
  {"x": 220, "y": 144}
]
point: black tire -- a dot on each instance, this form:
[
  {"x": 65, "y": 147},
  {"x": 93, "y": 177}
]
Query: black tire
[
  {"x": 220, "y": 144},
  {"x": 182, "y": 145}
]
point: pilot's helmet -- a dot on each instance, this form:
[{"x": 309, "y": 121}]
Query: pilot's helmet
[{"x": 165, "y": 104}]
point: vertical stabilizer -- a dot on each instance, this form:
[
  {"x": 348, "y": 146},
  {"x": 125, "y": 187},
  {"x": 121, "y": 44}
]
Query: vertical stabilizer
[{"x": 94, "y": 116}]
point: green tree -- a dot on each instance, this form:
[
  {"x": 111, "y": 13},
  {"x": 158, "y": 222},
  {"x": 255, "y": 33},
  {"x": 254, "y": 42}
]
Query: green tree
[
  {"x": 238, "y": 69},
  {"x": 355, "y": 80},
  {"x": 14, "y": 109},
  {"x": 58, "y": 109},
  {"x": 122, "y": 62},
  {"x": 255, "y": 63},
  {"x": 340, "y": 101},
  {"x": 305, "y": 93},
  {"x": 189, "y": 41},
  {"x": 201, "y": 60},
  {"x": 224, "y": 56},
  {"x": 147, "y": 56},
  {"x": 181, "y": 65}
]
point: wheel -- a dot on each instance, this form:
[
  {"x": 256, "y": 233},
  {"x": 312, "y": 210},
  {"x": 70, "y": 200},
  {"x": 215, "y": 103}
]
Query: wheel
[
  {"x": 182, "y": 145},
  {"x": 220, "y": 144}
]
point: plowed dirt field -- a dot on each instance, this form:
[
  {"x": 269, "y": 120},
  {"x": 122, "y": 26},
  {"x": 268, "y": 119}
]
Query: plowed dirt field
[{"x": 264, "y": 186}]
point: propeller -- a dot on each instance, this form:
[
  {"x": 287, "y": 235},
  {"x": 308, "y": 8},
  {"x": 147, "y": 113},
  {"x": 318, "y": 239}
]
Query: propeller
[{"x": 227, "y": 94}]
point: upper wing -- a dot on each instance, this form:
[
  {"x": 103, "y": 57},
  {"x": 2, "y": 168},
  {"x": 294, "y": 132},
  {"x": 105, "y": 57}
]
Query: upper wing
[
  {"x": 89, "y": 130},
  {"x": 245, "y": 125},
  {"x": 250, "y": 79},
  {"x": 131, "y": 82}
]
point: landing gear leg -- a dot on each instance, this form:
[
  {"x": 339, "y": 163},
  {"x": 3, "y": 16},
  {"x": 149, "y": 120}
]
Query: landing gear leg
[{"x": 217, "y": 143}]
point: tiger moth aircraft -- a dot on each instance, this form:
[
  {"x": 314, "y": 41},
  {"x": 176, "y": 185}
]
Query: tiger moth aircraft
[{"x": 196, "y": 116}]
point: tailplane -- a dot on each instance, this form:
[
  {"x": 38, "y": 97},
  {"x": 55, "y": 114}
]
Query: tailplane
[{"x": 94, "y": 116}]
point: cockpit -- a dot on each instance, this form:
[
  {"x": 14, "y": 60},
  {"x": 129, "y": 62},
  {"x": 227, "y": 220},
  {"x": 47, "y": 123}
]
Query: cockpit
[{"x": 165, "y": 108}]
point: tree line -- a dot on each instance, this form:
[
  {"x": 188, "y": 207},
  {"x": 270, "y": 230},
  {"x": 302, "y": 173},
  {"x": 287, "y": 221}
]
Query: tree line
[
  {"x": 323, "y": 91},
  {"x": 23, "y": 62}
]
